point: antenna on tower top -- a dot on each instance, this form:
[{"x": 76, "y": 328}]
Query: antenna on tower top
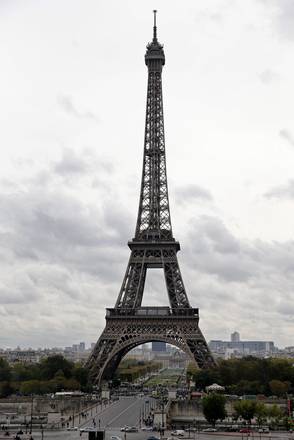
[{"x": 154, "y": 26}]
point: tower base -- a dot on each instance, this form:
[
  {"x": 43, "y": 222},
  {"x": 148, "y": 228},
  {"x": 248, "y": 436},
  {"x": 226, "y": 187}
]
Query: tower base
[{"x": 127, "y": 328}]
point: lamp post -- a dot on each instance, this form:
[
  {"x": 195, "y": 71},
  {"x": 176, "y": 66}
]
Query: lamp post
[
  {"x": 162, "y": 417},
  {"x": 31, "y": 421}
]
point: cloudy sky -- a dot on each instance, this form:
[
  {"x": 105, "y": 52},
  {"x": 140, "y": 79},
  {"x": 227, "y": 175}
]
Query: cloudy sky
[{"x": 73, "y": 90}]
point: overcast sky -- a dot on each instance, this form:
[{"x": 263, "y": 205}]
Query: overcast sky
[{"x": 73, "y": 89}]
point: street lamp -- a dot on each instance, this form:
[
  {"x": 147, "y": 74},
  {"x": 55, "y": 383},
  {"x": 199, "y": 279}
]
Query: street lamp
[{"x": 31, "y": 422}]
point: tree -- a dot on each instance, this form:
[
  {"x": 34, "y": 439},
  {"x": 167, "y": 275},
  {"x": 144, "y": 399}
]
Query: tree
[
  {"x": 275, "y": 414},
  {"x": 81, "y": 374},
  {"x": 53, "y": 364},
  {"x": 5, "y": 370},
  {"x": 247, "y": 387},
  {"x": 21, "y": 372},
  {"x": 261, "y": 413},
  {"x": 30, "y": 387},
  {"x": 214, "y": 407},
  {"x": 278, "y": 387},
  {"x": 245, "y": 409},
  {"x": 5, "y": 389},
  {"x": 203, "y": 378},
  {"x": 248, "y": 375}
]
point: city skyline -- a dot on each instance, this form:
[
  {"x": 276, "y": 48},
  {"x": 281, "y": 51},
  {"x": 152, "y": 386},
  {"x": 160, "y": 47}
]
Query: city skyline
[{"x": 73, "y": 137}]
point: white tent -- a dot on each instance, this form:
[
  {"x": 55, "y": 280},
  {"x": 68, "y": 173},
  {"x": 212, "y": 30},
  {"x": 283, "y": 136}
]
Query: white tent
[{"x": 215, "y": 388}]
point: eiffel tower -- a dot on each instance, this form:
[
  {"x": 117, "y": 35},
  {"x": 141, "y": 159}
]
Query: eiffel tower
[{"x": 129, "y": 324}]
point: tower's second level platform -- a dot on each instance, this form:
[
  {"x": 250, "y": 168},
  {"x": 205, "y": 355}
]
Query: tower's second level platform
[{"x": 152, "y": 312}]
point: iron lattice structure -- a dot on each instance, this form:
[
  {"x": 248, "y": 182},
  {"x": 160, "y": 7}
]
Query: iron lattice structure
[{"x": 129, "y": 324}]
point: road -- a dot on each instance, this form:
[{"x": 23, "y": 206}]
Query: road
[
  {"x": 125, "y": 411},
  {"x": 65, "y": 435}
]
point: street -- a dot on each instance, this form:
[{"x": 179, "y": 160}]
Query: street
[
  {"x": 75, "y": 435},
  {"x": 127, "y": 411}
]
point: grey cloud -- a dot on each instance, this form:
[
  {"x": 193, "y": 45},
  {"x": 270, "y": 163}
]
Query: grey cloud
[
  {"x": 213, "y": 249},
  {"x": 66, "y": 103},
  {"x": 282, "y": 192},
  {"x": 70, "y": 163},
  {"x": 282, "y": 13},
  {"x": 268, "y": 76},
  {"x": 22, "y": 291},
  {"x": 215, "y": 235},
  {"x": 55, "y": 227},
  {"x": 188, "y": 193},
  {"x": 285, "y": 134},
  {"x": 54, "y": 279},
  {"x": 234, "y": 280},
  {"x": 286, "y": 308},
  {"x": 44, "y": 223},
  {"x": 69, "y": 257},
  {"x": 285, "y": 18}
]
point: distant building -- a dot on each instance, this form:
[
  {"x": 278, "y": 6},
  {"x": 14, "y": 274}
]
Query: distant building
[
  {"x": 236, "y": 348},
  {"x": 178, "y": 359},
  {"x": 158, "y": 346},
  {"x": 82, "y": 346},
  {"x": 235, "y": 337}
]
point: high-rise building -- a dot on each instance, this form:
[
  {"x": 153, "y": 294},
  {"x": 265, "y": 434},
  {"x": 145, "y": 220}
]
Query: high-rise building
[
  {"x": 82, "y": 346},
  {"x": 235, "y": 337},
  {"x": 158, "y": 346}
]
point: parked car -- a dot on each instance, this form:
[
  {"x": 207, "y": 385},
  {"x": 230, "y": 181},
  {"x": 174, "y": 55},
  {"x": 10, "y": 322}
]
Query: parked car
[
  {"x": 124, "y": 428},
  {"x": 265, "y": 429},
  {"x": 87, "y": 429},
  {"x": 209, "y": 430},
  {"x": 152, "y": 437},
  {"x": 246, "y": 430},
  {"x": 115, "y": 437},
  {"x": 147, "y": 428},
  {"x": 72, "y": 428},
  {"x": 131, "y": 429},
  {"x": 178, "y": 432}
]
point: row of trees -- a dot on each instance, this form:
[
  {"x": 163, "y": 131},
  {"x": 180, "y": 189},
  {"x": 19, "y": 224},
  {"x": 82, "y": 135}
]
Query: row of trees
[
  {"x": 52, "y": 374},
  {"x": 244, "y": 410},
  {"x": 248, "y": 375},
  {"x": 131, "y": 369},
  {"x": 55, "y": 373}
]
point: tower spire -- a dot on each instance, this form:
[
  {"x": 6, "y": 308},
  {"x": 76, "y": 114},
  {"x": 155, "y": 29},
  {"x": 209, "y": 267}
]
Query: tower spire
[{"x": 154, "y": 26}]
